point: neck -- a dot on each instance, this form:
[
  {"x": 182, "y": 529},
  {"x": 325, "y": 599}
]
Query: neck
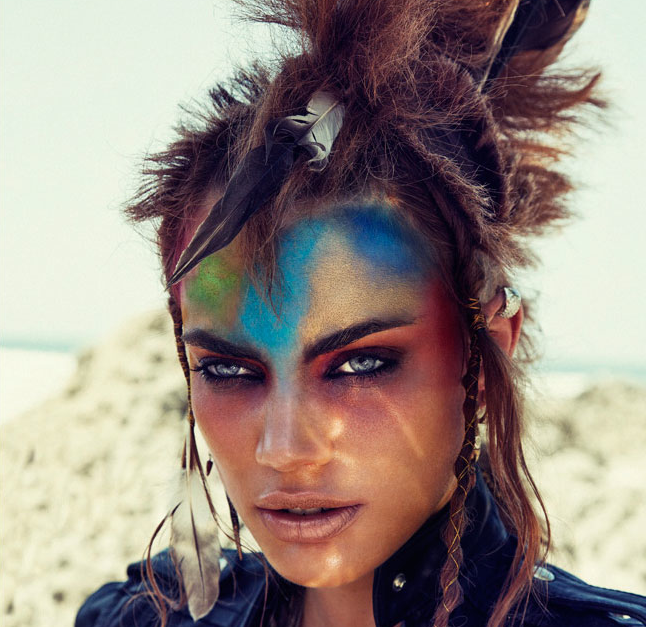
[{"x": 344, "y": 606}]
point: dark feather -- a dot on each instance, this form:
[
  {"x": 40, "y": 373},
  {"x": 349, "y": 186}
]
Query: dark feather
[
  {"x": 537, "y": 25},
  {"x": 251, "y": 185},
  {"x": 260, "y": 175}
]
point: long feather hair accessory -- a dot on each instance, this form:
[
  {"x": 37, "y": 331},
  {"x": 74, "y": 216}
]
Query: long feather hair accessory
[
  {"x": 261, "y": 173},
  {"x": 194, "y": 543},
  {"x": 542, "y": 26}
]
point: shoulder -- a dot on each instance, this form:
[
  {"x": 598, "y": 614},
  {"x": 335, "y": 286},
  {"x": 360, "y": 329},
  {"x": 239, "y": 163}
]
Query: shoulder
[
  {"x": 125, "y": 604},
  {"x": 565, "y": 600}
]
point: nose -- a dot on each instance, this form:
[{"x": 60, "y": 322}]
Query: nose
[{"x": 293, "y": 435}]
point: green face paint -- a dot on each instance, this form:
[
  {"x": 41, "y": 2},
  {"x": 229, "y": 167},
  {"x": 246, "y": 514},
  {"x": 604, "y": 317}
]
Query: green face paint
[{"x": 216, "y": 287}]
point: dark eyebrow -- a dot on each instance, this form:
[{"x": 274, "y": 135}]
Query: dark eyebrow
[
  {"x": 215, "y": 344},
  {"x": 346, "y": 336}
]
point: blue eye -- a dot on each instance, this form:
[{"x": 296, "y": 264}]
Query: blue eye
[
  {"x": 361, "y": 367},
  {"x": 220, "y": 371},
  {"x": 226, "y": 370},
  {"x": 361, "y": 364}
]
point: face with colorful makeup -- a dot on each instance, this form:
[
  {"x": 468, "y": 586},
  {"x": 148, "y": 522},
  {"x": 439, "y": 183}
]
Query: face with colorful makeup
[{"x": 334, "y": 413}]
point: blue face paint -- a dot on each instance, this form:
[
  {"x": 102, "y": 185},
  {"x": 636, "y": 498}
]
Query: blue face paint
[
  {"x": 276, "y": 332},
  {"x": 385, "y": 249},
  {"x": 388, "y": 245}
]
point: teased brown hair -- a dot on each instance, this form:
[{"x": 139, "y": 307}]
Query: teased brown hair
[{"x": 407, "y": 72}]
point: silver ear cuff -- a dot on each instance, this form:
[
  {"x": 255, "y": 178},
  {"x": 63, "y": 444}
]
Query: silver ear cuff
[{"x": 512, "y": 302}]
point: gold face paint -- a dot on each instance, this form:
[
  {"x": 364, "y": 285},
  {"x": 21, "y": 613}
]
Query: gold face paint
[{"x": 331, "y": 309}]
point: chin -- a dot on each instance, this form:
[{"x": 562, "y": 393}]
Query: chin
[{"x": 329, "y": 568}]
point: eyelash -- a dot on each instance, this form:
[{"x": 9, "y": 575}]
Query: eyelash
[{"x": 388, "y": 363}]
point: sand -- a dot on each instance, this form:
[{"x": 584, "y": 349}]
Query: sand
[{"x": 84, "y": 477}]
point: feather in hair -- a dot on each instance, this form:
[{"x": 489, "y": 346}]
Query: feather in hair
[
  {"x": 261, "y": 173},
  {"x": 315, "y": 131},
  {"x": 194, "y": 543},
  {"x": 541, "y": 25},
  {"x": 504, "y": 24}
]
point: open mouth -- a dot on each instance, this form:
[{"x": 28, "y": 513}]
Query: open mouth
[
  {"x": 308, "y": 525},
  {"x": 307, "y": 512}
]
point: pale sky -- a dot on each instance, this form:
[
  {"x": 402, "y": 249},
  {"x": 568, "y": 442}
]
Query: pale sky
[{"x": 89, "y": 87}]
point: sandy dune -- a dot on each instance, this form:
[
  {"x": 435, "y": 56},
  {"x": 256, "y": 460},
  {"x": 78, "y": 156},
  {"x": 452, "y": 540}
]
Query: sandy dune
[{"x": 84, "y": 477}]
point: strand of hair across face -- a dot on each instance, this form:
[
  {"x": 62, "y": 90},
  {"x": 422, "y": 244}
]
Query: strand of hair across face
[
  {"x": 176, "y": 315},
  {"x": 465, "y": 474}
]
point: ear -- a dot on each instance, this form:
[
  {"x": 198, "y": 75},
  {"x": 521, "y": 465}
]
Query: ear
[{"x": 505, "y": 332}]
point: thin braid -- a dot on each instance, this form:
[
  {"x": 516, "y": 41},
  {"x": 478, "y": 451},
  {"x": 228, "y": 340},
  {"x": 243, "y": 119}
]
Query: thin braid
[
  {"x": 235, "y": 524},
  {"x": 465, "y": 474},
  {"x": 176, "y": 314},
  {"x": 190, "y": 452}
]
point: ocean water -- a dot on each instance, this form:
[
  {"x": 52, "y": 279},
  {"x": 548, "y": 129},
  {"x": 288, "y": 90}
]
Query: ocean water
[{"x": 569, "y": 380}]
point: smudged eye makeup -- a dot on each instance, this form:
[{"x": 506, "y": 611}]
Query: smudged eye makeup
[{"x": 358, "y": 365}]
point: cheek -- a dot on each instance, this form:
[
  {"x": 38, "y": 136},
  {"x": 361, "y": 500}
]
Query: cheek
[
  {"x": 227, "y": 421},
  {"x": 407, "y": 420},
  {"x": 436, "y": 390},
  {"x": 415, "y": 417}
]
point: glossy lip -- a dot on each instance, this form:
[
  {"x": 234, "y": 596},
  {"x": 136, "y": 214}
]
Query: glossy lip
[{"x": 309, "y": 528}]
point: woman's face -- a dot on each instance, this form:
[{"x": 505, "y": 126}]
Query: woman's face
[{"x": 342, "y": 403}]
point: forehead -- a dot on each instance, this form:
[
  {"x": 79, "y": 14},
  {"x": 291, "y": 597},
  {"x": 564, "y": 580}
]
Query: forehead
[{"x": 353, "y": 263}]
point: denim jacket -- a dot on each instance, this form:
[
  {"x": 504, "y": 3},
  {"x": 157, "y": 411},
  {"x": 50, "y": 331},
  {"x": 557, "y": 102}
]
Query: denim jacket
[{"x": 405, "y": 587}]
